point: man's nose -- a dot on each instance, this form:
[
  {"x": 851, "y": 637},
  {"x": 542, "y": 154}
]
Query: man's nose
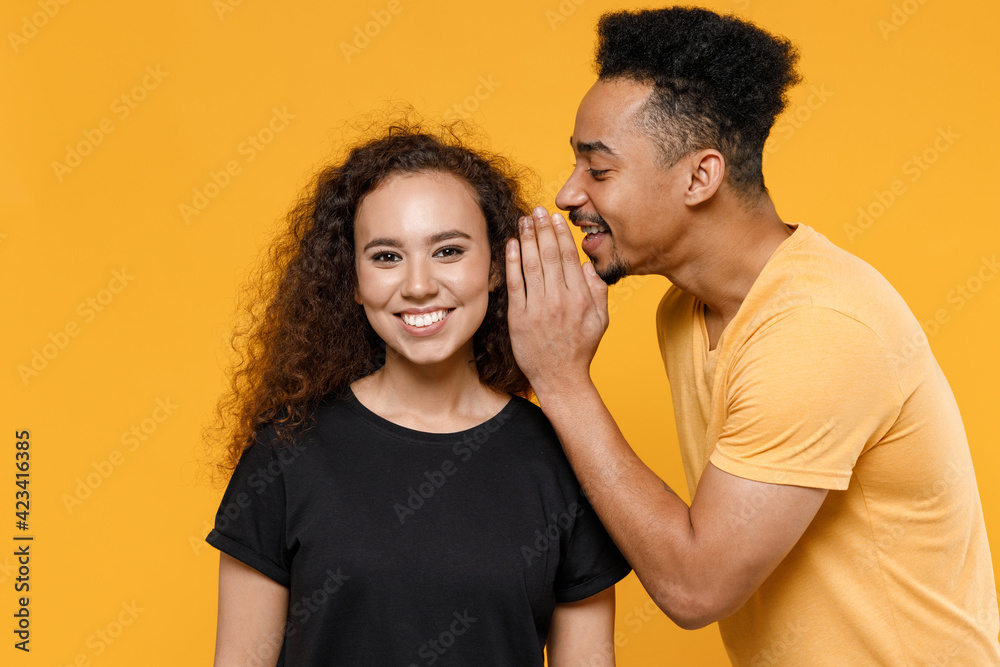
[{"x": 571, "y": 194}]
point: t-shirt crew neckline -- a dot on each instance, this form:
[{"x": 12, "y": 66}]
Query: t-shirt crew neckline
[
  {"x": 394, "y": 429},
  {"x": 799, "y": 232}
]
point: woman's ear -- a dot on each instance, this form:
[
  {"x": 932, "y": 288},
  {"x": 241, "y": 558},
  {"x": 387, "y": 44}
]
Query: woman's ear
[
  {"x": 496, "y": 278},
  {"x": 357, "y": 295}
]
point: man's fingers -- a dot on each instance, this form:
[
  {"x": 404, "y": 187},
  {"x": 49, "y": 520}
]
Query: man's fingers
[
  {"x": 548, "y": 250},
  {"x": 531, "y": 265},
  {"x": 572, "y": 271},
  {"x": 598, "y": 291},
  {"x": 515, "y": 281}
]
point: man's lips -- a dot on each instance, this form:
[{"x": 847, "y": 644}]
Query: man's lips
[
  {"x": 589, "y": 224},
  {"x": 594, "y": 232},
  {"x": 591, "y": 242}
]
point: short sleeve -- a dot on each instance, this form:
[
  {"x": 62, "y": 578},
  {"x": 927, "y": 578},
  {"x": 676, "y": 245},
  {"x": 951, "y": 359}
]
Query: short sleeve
[
  {"x": 250, "y": 523},
  {"x": 592, "y": 562},
  {"x": 804, "y": 398}
]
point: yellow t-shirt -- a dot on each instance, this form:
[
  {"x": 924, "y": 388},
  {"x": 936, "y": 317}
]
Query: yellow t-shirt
[{"x": 825, "y": 379}]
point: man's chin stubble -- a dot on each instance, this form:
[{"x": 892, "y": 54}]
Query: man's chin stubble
[{"x": 615, "y": 271}]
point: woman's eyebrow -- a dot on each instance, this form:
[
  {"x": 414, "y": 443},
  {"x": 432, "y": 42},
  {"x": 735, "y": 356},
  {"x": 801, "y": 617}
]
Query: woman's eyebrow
[
  {"x": 434, "y": 238},
  {"x": 382, "y": 241},
  {"x": 450, "y": 234}
]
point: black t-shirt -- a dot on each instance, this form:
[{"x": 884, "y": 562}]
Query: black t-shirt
[{"x": 407, "y": 548}]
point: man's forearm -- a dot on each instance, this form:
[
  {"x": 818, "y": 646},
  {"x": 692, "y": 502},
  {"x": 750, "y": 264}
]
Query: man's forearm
[{"x": 648, "y": 521}]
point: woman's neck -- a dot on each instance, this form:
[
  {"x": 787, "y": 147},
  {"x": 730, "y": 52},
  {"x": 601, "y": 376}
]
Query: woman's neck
[{"x": 438, "y": 398}]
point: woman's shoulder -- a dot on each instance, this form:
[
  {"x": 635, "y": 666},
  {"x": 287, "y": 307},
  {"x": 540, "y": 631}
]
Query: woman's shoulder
[
  {"x": 523, "y": 413},
  {"x": 532, "y": 410},
  {"x": 527, "y": 425},
  {"x": 278, "y": 433}
]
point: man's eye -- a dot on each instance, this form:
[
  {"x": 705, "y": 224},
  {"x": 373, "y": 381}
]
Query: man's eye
[{"x": 597, "y": 173}]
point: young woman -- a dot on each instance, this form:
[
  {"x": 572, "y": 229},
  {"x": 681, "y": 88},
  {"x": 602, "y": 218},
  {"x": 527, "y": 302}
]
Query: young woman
[{"x": 396, "y": 499}]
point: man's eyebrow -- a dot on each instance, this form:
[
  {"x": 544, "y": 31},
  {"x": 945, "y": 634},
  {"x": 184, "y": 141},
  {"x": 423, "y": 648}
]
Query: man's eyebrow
[
  {"x": 431, "y": 240},
  {"x": 593, "y": 147}
]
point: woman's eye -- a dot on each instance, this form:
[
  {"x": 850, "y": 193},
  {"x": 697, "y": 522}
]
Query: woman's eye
[
  {"x": 450, "y": 251},
  {"x": 597, "y": 174},
  {"x": 385, "y": 257}
]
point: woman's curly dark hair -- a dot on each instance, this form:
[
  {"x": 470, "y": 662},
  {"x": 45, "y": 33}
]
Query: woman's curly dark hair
[
  {"x": 312, "y": 338},
  {"x": 719, "y": 82}
]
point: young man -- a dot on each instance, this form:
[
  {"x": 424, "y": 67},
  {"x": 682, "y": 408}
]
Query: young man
[{"x": 835, "y": 515}]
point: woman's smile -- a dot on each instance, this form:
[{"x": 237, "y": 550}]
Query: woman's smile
[
  {"x": 423, "y": 262},
  {"x": 425, "y": 323}
]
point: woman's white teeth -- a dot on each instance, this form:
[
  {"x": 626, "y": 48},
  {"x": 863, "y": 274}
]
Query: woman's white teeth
[{"x": 423, "y": 319}]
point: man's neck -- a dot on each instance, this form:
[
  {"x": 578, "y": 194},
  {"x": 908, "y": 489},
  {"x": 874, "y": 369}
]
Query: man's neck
[{"x": 726, "y": 256}]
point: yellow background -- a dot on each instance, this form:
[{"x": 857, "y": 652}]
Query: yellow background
[{"x": 886, "y": 91}]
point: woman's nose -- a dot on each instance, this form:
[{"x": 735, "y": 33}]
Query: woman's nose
[{"x": 420, "y": 281}]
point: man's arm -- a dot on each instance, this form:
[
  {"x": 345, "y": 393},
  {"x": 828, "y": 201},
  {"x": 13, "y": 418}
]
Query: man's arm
[{"x": 698, "y": 563}]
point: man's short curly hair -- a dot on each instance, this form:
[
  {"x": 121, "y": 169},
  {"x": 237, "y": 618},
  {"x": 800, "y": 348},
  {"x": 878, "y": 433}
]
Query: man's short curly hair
[{"x": 719, "y": 82}]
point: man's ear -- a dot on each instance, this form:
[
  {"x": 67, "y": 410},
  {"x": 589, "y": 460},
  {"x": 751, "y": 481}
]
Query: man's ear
[{"x": 707, "y": 170}]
